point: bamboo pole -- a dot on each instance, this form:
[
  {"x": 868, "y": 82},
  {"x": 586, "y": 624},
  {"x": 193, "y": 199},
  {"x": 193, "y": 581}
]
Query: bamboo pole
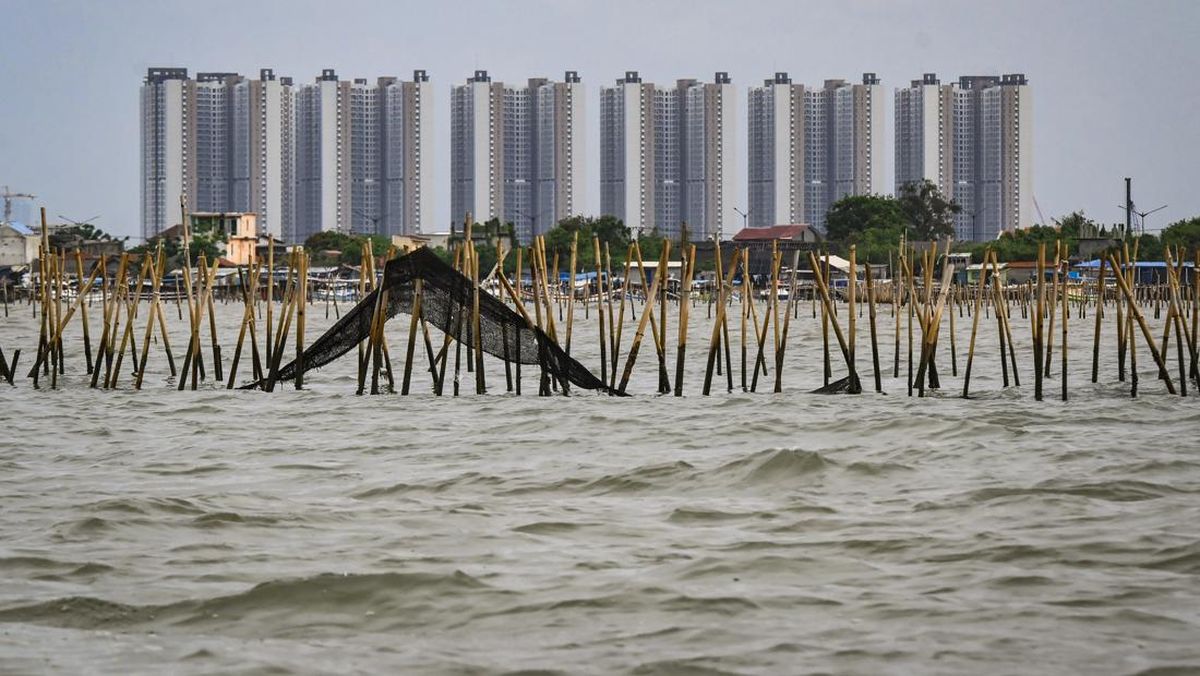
[
  {"x": 302, "y": 279},
  {"x": 647, "y": 309},
  {"x": 871, "y": 321},
  {"x": 715, "y": 338},
  {"x": 615, "y": 355},
  {"x": 151, "y": 316},
  {"x": 268, "y": 343},
  {"x": 689, "y": 262},
  {"x": 747, "y": 303},
  {"x": 247, "y": 320},
  {"x": 1051, "y": 309},
  {"x": 476, "y": 325},
  {"x": 608, "y": 303},
  {"x": 855, "y": 387},
  {"x": 787, "y": 317},
  {"x": 929, "y": 332},
  {"x": 83, "y": 318},
  {"x": 103, "y": 350},
  {"x": 1099, "y": 315},
  {"x": 851, "y": 301},
  {"x": 571, "y": 293},
  {"x": 127, "y": 336},
  {"x": 1039, "y": 345},
  {"x": 1141, "y": 321},
  {"x": 599, "y": 308},
  {"x": 1065, "y": 316},
  {"x": 664, "y": 383},
  {"x": 975, "y": 323}
]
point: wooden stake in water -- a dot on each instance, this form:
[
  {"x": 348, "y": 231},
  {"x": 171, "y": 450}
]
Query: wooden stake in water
[
  {"x": 689, "y": 263},
  {"x": 871, "y": 320},
  {"x": 1099, "y": 315}
]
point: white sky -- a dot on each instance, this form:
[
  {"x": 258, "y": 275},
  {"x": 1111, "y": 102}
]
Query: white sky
[{"x": 1113, "y": 87}]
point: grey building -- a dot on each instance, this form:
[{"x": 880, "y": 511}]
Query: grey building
[
  {"x": 220, "y": 142},
  {"x": 667, "y": 155},
  {"x": 329, "y": 155},
  {"x": 167, "y": 148},
  {"x": 517, "y": 152},
  {"x": 809, "y": 147},
  {"x": 973, "y": 139},
  {"x": 363, "y": 156}
]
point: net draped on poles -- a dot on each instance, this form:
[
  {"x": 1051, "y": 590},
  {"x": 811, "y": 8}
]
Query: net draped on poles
[{"x": 446, "y": 301}]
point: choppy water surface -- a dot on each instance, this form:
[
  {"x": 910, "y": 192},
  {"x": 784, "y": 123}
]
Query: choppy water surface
[{"x": 316, "y": 531}]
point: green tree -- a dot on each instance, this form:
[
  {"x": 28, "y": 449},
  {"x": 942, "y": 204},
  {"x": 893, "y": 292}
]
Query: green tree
[
  {"x": 853, "y": 215},
  {"x": 610, "y": 230},
  {"x": 1185, "y": 233},
  {"x": 330, "y": 247},
  {"x": 74, "y": 235},
  {"x": 928, "y": 212},
  {"x": 651, "y": 245},
  {"x": 207, "y": 239}
]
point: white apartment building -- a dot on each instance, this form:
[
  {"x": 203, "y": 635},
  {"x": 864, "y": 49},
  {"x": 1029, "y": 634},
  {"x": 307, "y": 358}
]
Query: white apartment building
[
  {"x": 329, "y": 155},
  {"x": 974, "y": 140},
  {"x": 167, "y": 149},
  {"x": 667, "y": 155},
  {"x": 810, "y": 147},
  {"x": 517, "y": 153}
]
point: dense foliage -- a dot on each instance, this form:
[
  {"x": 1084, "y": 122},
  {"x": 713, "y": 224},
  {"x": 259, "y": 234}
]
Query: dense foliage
[{"x": 331, "y": 247}]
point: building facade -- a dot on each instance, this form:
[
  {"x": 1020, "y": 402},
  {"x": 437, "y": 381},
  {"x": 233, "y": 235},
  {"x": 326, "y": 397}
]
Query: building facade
[
  {"x": 667, "y": 155},
  {"x": 167, "y": 148},
  {"x": 328, "y": 155},
  {"x": 809, "y": 147},
  {"x": 517, "y": 152},
  {"x": 974, "y": 140}
]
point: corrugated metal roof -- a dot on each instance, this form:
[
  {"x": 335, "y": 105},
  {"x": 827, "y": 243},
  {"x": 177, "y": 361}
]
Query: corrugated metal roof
[
  {"x": 771, "y": 232},
  {"x": 21, "y": 228}
]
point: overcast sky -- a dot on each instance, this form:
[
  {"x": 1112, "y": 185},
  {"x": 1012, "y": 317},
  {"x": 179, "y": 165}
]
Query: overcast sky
[{"x": 1114, "y": 83}]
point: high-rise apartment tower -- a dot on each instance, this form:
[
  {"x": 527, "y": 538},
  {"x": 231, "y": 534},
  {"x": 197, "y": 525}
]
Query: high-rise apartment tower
[
  {"x": 517, "y": 152},
  {"x": 667, "y": 155},
  {"x": 974, "y": 140},
  {"x": 810, "y": 147}
]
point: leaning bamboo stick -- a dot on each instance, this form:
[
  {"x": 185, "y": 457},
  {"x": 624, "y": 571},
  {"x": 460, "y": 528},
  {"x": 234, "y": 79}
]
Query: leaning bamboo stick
[
  {"x": 1141, "y": 321},
  {"x": 414, "y": 320},
  {"x": 571, "y": 293},
  {"x": 151, "y": 316},
  {"x": 1065, "y": 316},
  {"x": 302, "y": 277},
  {"x": 599, "y": 308},
  {"x": 247, "y": 320},
  {"x": 103, "y": 351},
  {"x": 823, "y": 288},
  {"x": 715, "y": 338},
  {"x": 983, "y": 269},
  {"x": 476, "y": 326},
  {"x": 685, "y": 293},
  {"x": 647, "y": 309},
  {"x": 127, "y": 336},
  {"x": 620, "y": 323},
  {"x": 1099, "y": 316},
  {"x": 787, "y": 320},
  {"x": 871, "y": 321}
]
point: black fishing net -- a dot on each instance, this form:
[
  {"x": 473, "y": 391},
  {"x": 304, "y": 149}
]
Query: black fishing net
[{"x": 446, "y": 302}]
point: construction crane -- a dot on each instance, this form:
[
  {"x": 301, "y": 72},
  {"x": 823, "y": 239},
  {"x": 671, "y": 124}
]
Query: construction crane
[
  {"x": 9, "y": 196},
  {"x": 1039, "y": 210}
]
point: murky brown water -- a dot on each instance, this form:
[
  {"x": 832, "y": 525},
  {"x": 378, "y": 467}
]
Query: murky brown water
[{"x": 316, "y": 531}]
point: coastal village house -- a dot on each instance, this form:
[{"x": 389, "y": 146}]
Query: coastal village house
[
  {"x": 18, "y": 244},
  {"x": 240, "y": 229},
  {"x": 788, "y": 238}
]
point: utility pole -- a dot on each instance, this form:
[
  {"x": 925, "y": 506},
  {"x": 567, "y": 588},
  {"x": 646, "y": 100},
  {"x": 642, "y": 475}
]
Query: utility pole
[{"x": 1128, "y": 206}]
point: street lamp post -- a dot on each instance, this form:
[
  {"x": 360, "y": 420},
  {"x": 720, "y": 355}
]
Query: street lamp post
[{"x": 745, "y": 219}]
